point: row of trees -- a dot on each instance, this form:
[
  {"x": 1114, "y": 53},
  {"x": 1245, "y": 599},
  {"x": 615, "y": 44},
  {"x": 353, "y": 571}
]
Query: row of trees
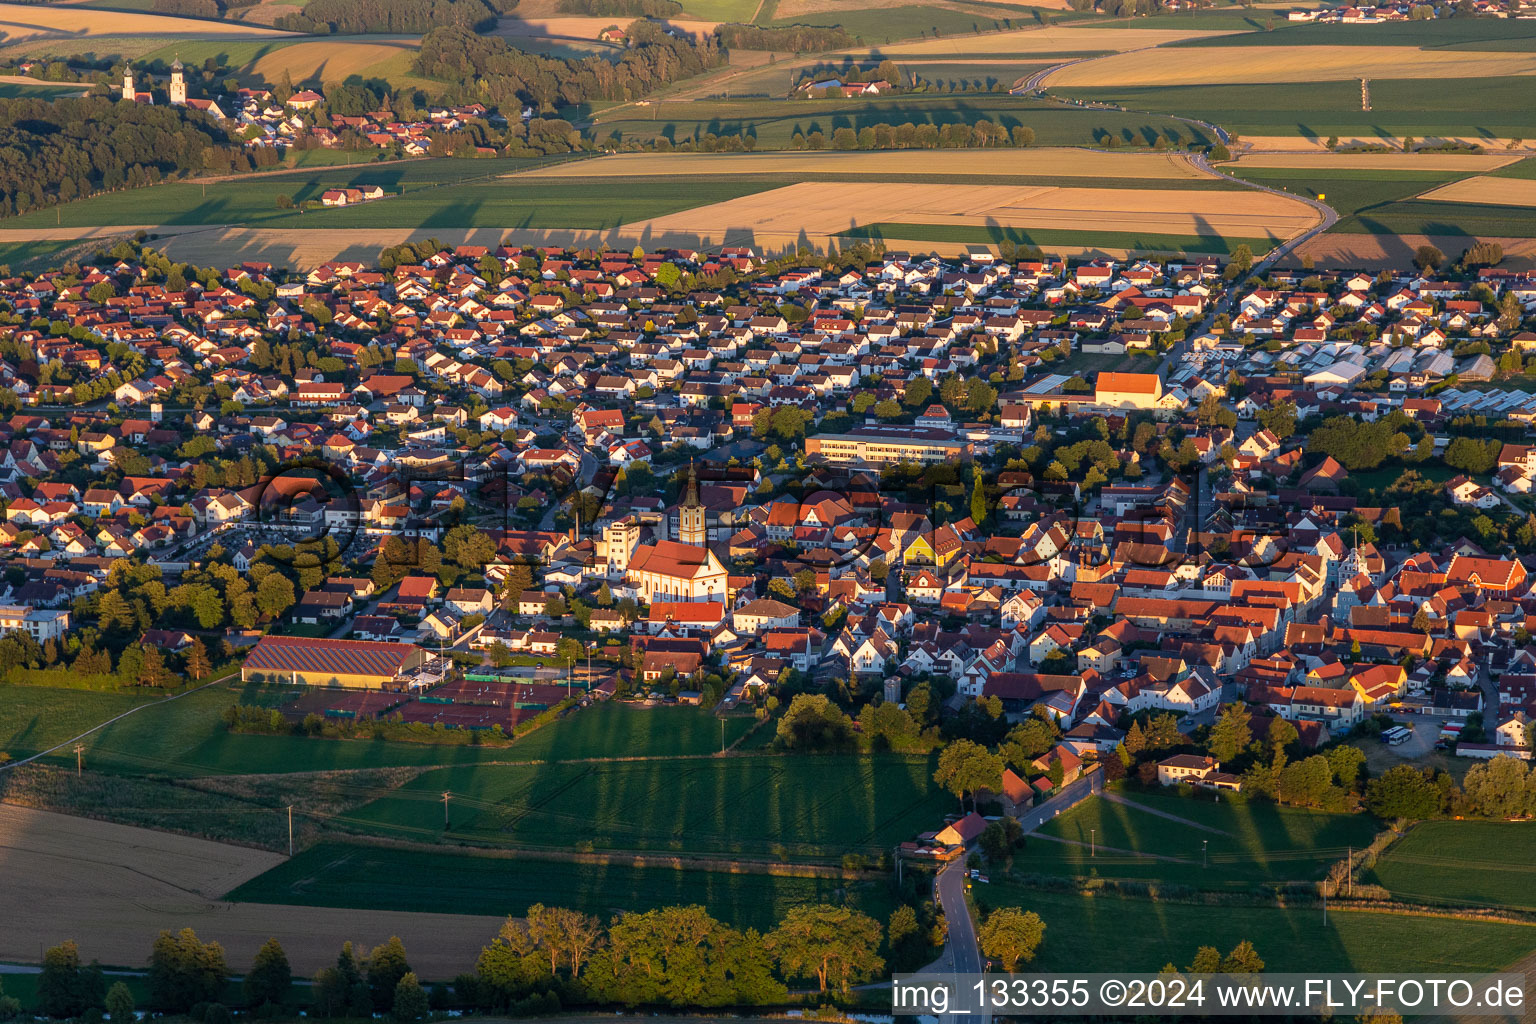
[
  {"x": 671, "y": 956},
  {"x": 958, "y": 135},
  {"x": 1501, "y": 788}
]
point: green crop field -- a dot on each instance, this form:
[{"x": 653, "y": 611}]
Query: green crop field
[
  {"x": 418, "y": 200},
  {"x": 1111, "y": 933},
  {"x": 187, "y": 737},
  {"x": 754, "y": 806},
  {"x": 873, "y": 26},
  {"x": 720, "y": 10},
  {"x": 1382, "y": 202},
  {"x": 1441, "y": 34},
  {"x": 774, "y": 123},
  {"x": 19, "y": 90},
  {"x": 34, "y": 718},
  {"x": 1256, "y": 842},
  {"x": 1352, "y": 192},
  {"x": 1464, "y": 863},
  {"x": 1522, "y": 169},
  {"x": 1463, "y": 107},
  {"x": 378, "y": 878},
  {"x": 966, "y": 234}
]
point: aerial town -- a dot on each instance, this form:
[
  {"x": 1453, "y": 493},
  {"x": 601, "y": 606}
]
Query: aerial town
[{"x": 765, "y": 509}]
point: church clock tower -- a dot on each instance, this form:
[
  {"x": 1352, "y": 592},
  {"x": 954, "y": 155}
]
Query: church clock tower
[{"x": 691, "y": 528}]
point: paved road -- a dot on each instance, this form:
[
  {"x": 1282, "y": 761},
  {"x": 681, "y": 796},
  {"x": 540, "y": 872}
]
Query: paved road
[{"x": 962, "y": 952}]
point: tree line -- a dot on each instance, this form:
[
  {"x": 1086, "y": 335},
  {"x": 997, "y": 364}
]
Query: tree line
[
  {"x": 352, "y": 17},
  {"x": 487, "y": 69},
  {"x": 675, "y": 956},
  {"x": 56, "y": 151}
]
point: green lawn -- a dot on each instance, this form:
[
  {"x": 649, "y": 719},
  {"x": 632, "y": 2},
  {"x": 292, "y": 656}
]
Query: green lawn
[
  {"x": 187, "y": 738},
  {"x": 1465, "y": 863},
  {"x": 33, "y": 255},
  {"x": 378, "y": 878},
  {"x": 1111, "y": 933},
  {"x": 1262, "y": 842},
  {"x": 753, "y": 806},
  {"x": 1487, "y": 107},
  {"x": 34, "y": 718},
  {"x": 774, "y": 122},
  {"x": 17, "y": 90},
  {"x": 1050, "y": 239}
]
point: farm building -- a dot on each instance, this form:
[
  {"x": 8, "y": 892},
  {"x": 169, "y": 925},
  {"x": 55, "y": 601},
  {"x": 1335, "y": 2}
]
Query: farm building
[{"x": 313, "y": 662}]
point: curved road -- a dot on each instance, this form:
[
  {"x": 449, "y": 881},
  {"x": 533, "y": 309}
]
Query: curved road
[{"x": 1327, "y": 215}]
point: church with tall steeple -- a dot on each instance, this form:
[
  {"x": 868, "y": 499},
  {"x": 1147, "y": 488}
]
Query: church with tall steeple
[{"x": 684, "y": 569}]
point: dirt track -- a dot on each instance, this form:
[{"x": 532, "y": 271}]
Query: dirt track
[{"x": 112, "y": 888}]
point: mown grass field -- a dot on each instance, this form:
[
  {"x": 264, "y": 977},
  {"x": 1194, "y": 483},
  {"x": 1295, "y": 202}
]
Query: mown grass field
[
  {"x": 962, "y": 234},
  {"x": 1256, "y": 842},
  {"x": 774, "y": 123},
  {"x": 1463, "y": 863},
  {"x": 187, "y": 738},
  {"x": 1460, "y": 107},
  {"x": 761, "y": 806},
  {"x": 1113, "y": 933},
  {"x": 34, "y": 718},
  {"x": 378, "y": 878}
]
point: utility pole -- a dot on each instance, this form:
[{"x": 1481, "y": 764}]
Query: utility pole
[
  {"x": 290, "y": 830},
  {"x": 1205, "y": 844},
  {"x": 1349, "y": 873},
  {"x": 445, "y": 810},
  {"x": 79, "y": 763},
  {"x": 1325, "y": 906},
  {"x": 1093, "y": 843}
]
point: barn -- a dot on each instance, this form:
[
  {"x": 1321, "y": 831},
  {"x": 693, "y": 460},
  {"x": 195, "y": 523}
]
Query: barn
[{"x": 357, "y": 664}]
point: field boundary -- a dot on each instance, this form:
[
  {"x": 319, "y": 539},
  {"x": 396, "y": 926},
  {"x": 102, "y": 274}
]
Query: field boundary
[{"x": 627, "y": 858}]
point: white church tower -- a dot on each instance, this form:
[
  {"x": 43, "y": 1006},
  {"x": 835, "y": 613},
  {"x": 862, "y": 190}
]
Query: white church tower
[
  {"x": 178, "y": 85},
  {"x": 128, "y": 89}
]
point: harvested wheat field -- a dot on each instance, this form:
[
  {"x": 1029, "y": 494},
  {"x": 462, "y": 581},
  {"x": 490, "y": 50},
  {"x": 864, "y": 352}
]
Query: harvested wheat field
[
  {"x": 1243, "y": 65},
  {"x": 1065, "y": 162},
  {"x": 333, "y": 61},
  {"x": 791, "y": 9},
  {"x": 1380, "y": 161},
  {"x": 820, "y": 210},
  {"x": 1481, "y": 189},
  {"x": 20, "y": 23},
  {"x": 1038, "y": 41},
  {"x": 113, "y": 888}
]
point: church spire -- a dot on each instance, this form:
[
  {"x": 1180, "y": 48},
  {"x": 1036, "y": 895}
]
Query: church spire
[{"x": 690, "y": 514}]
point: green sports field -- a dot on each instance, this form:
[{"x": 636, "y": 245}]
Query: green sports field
[
  {"x": 1113, "y": 933},
  {"x": 1464, "y": 863},
  {"x": 1252, "y": 843},
  {"x": 34, "y": 718},
  {"x": 380, "y": 878},
  {"x": 759, "y": 806},
  {"x": 187, "y": 738}
]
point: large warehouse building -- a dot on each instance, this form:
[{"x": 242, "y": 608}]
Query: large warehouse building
[{"x": 352, "y": 663}]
